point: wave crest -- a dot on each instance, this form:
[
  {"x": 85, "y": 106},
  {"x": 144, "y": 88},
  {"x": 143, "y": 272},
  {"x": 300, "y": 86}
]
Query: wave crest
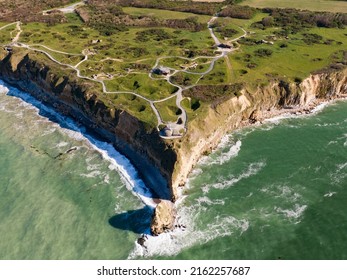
[{"x": 251, "y": 170}]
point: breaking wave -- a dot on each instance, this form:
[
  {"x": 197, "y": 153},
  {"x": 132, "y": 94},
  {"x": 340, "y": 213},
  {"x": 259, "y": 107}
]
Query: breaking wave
[
  {"x": 3, "y": 89},
  {"x": 294, "y": 213},
  {"x": 117, "y": 161},
  {"x": 220, "y": 156},
  {"x": 251, "y": 170},
  {"x": 340, "y": 174},
  {"x": 192, "y": 233}
]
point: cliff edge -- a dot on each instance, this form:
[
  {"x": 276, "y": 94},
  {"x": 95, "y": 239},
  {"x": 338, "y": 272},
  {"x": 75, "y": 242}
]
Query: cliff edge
[
  {"x": 81, "y": 100},
  {"x": 163, "y": 164}
]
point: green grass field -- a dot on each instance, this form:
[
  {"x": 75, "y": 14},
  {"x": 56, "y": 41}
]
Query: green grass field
[
  {"x": 134, "y": 105},
  {"x": 143, "y": 85},
  {"x": 168, "y": 110},
  {"x": 296, "y": 60},
  {"x": 313, "y": 5},
  {"x": 124, "y": 60},
  {"x": 5, "y": 34},
  {"x": 217, "y": 76},
  {"x": 164, "y": 14}
]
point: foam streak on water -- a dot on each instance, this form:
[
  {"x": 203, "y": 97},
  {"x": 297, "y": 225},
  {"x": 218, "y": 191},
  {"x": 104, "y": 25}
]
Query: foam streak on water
[
  {"x": 226, "y": 150},
  {"x": 251, "y": 170},
  {"x": 172, "y": 243},
  {"x": 281, "y": 195},
  {"x": 117, "y": 161}
]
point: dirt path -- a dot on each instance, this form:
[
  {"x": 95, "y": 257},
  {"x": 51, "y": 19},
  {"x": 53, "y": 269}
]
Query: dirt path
[
  {"x": 66, "y": 10},
  {"x": 180, "y": 125}
]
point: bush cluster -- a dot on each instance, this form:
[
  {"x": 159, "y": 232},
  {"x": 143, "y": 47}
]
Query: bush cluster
[{"x": 292, "y": 20}]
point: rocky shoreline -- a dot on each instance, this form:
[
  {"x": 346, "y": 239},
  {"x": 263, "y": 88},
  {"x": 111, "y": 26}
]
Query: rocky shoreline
[
  {"x": 294, "y": 111},
  {"x": 305, "y": 105},
  {"x": 166, "y": 164}
]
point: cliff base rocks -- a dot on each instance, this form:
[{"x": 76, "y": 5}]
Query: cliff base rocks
[{"x": 163, "y": 218}]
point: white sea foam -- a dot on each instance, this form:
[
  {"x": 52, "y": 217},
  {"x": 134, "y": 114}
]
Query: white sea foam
[
  {"x": 341, "y": 166},
  {"x": 92, "y": 174},
  {"x": 62, "y": 144},
  {"x": 225, "y": 141},
  {"x": 226, "y": 156},
  {"x": 205, "y": 200},
  {"x": 116, "y": 161},
  {"x": 249, "y": 195},
  {"x": 251, "y": 170},
  {"x": 320, "y": 107},
  {"x": 171, "y": 243},
  {"x": 279, "y": 118},
  {"x": 195, "y": 173},
  {"x": 330, "y": 194},
  {"x": 339, "y": 174},
  {"x": 328, "y": 124},
  {"x": 219, "y": 156},
  {"x": 3, "y": 89},
  {"x": 193, "y": 232},
  {"x": 48, "y": 131},
  {"x": 283, "y": 192},
  {"x": 294, "y": 213},
  {"x": 107, "y": 179}
]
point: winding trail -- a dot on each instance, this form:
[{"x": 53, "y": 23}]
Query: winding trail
[
  {"x": 7, "y": 25},
  {"x": 19, "y": 29},
  {"x": 66, "y": 10},
  {"x": 177, "y": 129}
]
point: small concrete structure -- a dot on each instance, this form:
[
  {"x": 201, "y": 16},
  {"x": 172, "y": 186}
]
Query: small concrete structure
[
  {"x": 161, "y": 71},
  {"x": 166, "y": 132},
  {"x": 8, "y": 49},
  {"x": 224, "y": 46},
  {"x": 96, "y": 41},
  {"x": 173, "y": 130},
  {"x": 193, "y": 65}
]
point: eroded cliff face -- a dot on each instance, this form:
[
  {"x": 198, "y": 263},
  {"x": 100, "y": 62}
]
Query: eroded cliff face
[
  {"x": 81, "y": 100},
  {"x": 164, "y": 165},
  {"x": 251, "y": 106}
]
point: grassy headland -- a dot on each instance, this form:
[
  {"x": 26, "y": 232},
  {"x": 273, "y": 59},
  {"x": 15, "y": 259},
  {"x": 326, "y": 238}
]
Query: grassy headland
[{"x": 119, "y": 42}]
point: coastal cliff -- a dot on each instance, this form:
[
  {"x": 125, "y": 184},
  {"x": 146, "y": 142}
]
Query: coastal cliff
[
  {"x": 250, "y": 106},
  {"x": 81, "y": 100},
  {"x": 163, "y": 164}
]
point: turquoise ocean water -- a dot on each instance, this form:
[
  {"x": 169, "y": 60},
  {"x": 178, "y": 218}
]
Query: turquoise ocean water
[{"x": 278, "y": 190}]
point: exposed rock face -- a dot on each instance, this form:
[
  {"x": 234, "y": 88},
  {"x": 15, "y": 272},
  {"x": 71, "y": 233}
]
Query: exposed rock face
[
  {"x": 163, "y": 218},
  {"x": 154, "y": 157},
  {"x": 252, "y": 105},
  {"x": 83, "y": 101}
]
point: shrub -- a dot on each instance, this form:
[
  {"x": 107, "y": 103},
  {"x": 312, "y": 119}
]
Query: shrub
[
  {"x": 263, "y": 52},
  {"x": 242, "y": 12},
  {"x": 311, "y": 39},
  {"x": 251, "y": 65},
  {"x": 154, "y": 34},
  {"x": 228, "y": 32}
]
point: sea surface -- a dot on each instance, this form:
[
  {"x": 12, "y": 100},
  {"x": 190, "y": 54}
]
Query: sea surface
[{"x": 274, "y": 191}]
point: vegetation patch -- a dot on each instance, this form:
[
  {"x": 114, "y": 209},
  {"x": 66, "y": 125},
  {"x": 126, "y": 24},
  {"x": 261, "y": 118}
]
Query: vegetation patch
[
  {"x": 213, "y": 95},
  {"x": 115, "y": 45},
  {"x": 234, "y": 11}
]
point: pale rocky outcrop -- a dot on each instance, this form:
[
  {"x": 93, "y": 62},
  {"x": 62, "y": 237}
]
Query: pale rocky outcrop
[
  {"x": 174, "y": 159},
  {"x": 253, "y": 105},
  {"x": 163, "y": 217}
]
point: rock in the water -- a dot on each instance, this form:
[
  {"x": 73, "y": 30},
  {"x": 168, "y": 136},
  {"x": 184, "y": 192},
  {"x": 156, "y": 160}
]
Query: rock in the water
[
  {"x": 141, "y": 241},
  {"x": 163, "y": 218}
]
